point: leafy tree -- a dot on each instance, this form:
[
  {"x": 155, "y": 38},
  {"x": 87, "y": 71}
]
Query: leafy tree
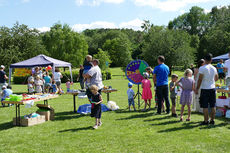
[
  {"x": 119, "y": 51},
  {"x": 19, "y": 43},
  {"x": 196, "y": 22},
  {"x": 103, "y": 58},
  {"x": 65, "y": 44},
  {"x": 173, "y": 44}
]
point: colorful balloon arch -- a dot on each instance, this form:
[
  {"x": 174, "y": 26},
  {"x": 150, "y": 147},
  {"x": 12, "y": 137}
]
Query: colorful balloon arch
[{"x": 134, "y": 71}]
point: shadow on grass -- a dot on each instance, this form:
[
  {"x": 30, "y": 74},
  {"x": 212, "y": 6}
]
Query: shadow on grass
[
  {"x": 214, "y": 126},
  {"x": 166, "y": 123},
  {"x": 67, "y": 115},
  {"x": 185, "y": 126},
  {"x": 142, "y": 115},
  {"x": 6, "y": 126},
  {"x": 78, "y": 129},
  {"x": 158, "y": 119}
]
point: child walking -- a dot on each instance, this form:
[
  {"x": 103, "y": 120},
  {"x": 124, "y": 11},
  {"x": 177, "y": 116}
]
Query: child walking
[
  {"x": 146, "y": 92},
  {"x": 173, "y": 94},
  {"x": 96, "y": 100},
  {"x": 131, "y": 95},
  {"x": 31, "y": 86},
  {"x": 188, "y": 85}
]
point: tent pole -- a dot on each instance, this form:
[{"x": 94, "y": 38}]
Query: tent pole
[
  {"x": 70, "y": 70},
  {"x": 10, "y": 71}
]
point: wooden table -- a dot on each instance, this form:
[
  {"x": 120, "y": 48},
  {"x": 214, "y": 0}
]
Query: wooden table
[
  {"x": 223, "y": 91},
  {"x": 108, "y": 91},
  {"x": 18, "y": 103},
  {"x": 74, "y": 99}
]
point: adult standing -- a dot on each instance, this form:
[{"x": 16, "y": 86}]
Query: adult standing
[
  {"x": 3, "y": 77},
  {"x": 80, "y": 77},
  {"x": 220, "y": 69},
  {"x": 57, "y": 78},
  {"x": 95, "y": 77},
  {"x": 207, "y": 77},
  {"x": 160, "y": 76},
  {"x": 196, "y": 97}
]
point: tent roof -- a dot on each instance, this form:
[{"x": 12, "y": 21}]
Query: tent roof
[
  {"x": 40, "y": 60},
  {"x": 223, "y": 57}
]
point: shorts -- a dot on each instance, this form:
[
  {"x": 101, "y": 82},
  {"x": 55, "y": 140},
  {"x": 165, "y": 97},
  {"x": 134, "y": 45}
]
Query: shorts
[
  {"x": 131, "y": 102},
  {"x": 207, "y": 98},
  {"x": 221, "y": 75},
  {"x": 96, "y": 111},
  {"x": 58, "y": 83},
  {"x": 173, "y": 100},
  {"x": 48, "y": 85},
  {"x": 228, "y": 81}
]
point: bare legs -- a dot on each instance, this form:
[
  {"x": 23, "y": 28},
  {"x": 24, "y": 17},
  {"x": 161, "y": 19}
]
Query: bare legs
[
  {"x": 212, "y": 115},
  {"x": 182, "y": 112},
  {"x": 147, "y": 103}
]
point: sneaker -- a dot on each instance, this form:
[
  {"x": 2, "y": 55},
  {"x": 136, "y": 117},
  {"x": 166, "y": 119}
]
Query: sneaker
[
  {"x": 212, "y": 122},
  {"x": 204, "y": 123},
  {"x": 174, "y": 115},
  {"x": 100, "y": 124},
  {"x": 95, "y": 127}
]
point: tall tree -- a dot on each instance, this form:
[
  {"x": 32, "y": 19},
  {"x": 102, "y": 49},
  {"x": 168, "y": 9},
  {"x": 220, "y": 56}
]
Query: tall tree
[
  {"x": 19, "y": 43},
  {"x": 65, "y": 44}
]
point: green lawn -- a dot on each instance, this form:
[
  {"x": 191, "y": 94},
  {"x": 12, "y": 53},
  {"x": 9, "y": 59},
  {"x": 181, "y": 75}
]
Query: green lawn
[{"x": 122, "y": 131}]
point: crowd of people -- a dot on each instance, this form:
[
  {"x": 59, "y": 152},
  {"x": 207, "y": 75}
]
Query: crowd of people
[{"x": 197, "y": 85}]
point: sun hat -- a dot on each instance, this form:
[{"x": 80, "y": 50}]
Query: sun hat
[
  {"x": 146, "y": 75},
  {"x": 130, "y": 84}
]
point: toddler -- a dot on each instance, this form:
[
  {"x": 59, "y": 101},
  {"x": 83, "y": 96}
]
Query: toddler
[
  {"x": 87, "y": 63},
  {"x": 187, "y": 84},
  {"x": 31, "y": 86},
  {"x": 54, "y": 87},
  {"x": 146, "y": 93},
  {"x": 96, "y": 100},
  {"x": 38, "y": 84},
  {"x": 131, "y": 95},
  {"x": 68, "y": 85},
  {"x": 173, "y": 94}
]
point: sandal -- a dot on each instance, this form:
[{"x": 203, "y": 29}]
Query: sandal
[
  {"x": 181, "y": 119},
  {"x": 188, "y": 119}
]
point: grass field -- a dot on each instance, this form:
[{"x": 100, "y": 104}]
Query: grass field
[{"x": 122, "y": 131}]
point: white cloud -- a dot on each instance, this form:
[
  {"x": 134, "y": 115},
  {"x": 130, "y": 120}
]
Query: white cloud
[
  {"x": 133, "y": 24},
  {"x": 44, "y": 29},
  {"x": 97, "y": 2},
  {"x": 93, "y": 25},
  {"x": 168, "y": 5}
]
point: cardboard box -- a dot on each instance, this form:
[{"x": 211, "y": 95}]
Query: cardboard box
[
  {"x": 30, "y": 121},
  {"x": 48, "y": 112}
]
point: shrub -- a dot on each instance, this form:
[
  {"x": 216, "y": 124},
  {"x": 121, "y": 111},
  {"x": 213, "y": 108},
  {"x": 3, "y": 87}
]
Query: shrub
[
  {"x": 66, "y": 76},
  {"x": 106, "y": 75},
  {"x": 20, "y": 79}
]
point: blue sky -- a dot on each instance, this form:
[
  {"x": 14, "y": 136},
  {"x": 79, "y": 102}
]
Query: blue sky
[{"x": 82, "y": 14}]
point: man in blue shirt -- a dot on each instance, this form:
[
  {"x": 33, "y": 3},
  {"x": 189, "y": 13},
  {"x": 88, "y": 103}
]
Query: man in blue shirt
[
  {"x": 160, "y": 77},
  {"x": 220, "y": 69}
]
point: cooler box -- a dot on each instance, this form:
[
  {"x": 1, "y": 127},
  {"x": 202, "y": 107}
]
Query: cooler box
[
  {"x": 30, "y": 121},
  {"x": 47, "y": 111}
]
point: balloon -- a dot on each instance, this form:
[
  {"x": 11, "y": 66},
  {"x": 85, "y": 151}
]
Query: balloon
[
  {"x": 49, "y": 67},
  {"x": 33, "y": 71}
]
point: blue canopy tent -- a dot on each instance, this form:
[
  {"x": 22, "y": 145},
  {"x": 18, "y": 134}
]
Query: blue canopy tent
[
  {"x": 40, "y": 60},
  {"x": 223, "y": 57}
]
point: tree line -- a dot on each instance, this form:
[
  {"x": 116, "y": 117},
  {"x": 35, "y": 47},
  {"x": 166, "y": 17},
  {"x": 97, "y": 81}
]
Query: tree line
[{"x": 183, "y": 41}]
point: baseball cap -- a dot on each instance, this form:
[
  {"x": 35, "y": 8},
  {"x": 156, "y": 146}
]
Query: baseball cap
[{"x": 130, "y": 84}]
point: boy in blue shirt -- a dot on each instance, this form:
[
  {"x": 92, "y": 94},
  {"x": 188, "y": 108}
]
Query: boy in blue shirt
[
  {"x": 6, "y": 92},
  {"x": 220, "y": 69},
  {"x": 131, "y": 95}
]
